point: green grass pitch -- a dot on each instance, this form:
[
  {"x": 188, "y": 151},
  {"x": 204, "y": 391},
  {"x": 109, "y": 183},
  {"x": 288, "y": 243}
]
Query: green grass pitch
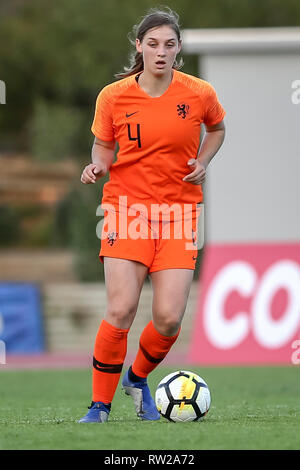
[{"x": 252, "y": 408}]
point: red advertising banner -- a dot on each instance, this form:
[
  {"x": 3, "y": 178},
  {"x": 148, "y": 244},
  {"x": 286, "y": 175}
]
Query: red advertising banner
[{"x": 249, "y": 305}]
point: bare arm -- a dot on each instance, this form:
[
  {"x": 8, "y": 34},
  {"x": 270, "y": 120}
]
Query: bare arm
[
  {"x": 102, "y": 158},
  {"x": 211, "y": 143}
]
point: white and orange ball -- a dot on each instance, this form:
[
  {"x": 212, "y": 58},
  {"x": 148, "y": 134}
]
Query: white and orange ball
[{"x": 183, "y": 396}]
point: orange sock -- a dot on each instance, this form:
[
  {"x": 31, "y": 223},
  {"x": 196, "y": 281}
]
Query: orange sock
[
  {"x": 109, "y": 354},
  {"x": 153, "y": 349}
]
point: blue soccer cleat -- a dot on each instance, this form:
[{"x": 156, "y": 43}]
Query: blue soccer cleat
[
  {"x": 143, "y": 401},
  {"x": 98, "y": 413}
]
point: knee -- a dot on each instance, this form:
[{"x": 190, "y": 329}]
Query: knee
[
  {"x": 167, "y": 324},
  {"x": 120, "y": 316}
]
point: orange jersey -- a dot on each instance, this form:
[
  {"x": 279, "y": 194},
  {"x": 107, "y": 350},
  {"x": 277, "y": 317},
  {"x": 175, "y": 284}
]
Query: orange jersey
[{"x": 156, "y": 137}]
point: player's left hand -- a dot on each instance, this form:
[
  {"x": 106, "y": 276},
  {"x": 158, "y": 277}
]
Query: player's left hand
[{"x": 198, "y": 172}]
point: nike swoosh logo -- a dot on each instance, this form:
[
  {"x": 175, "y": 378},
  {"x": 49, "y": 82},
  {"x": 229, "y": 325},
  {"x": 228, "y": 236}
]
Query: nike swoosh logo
[{"x": 128, "y": 115}]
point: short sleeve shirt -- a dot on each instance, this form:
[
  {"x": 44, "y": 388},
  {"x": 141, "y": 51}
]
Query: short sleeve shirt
[{"x": 156, "y": 136}]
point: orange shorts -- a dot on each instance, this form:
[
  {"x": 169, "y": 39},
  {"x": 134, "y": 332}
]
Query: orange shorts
[{"x": 158, "y": 244}]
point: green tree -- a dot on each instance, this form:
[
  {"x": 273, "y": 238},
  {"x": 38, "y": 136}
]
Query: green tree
[{"x": 56, "y": 56}]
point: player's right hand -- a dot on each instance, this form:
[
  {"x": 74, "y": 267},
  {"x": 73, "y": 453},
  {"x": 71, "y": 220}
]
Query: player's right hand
[{"x": 92, "y": 173}]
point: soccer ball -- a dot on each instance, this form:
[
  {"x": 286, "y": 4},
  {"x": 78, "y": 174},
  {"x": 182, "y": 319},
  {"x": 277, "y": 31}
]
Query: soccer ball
[{"x": 182, "y": 396}]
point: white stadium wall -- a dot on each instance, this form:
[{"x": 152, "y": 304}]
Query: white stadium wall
[{"x": 249, "y": 302}]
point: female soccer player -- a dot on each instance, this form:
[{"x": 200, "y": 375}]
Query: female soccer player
[{"x": 154, "y": 112}]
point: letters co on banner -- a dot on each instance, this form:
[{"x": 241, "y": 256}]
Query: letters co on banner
[{"x": 249, "y": 305}]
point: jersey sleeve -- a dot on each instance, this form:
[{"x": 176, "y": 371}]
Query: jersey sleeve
[
  {"x": 214, "y": 111},
  {"x": 102, "y": 126}
]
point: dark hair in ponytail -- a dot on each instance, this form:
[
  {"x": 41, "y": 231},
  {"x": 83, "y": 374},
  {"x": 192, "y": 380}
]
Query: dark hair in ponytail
[{"x": 154, "y": 18}]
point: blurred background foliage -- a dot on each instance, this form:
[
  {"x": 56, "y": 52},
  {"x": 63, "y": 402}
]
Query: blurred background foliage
[{"x": 54, "y": 58}]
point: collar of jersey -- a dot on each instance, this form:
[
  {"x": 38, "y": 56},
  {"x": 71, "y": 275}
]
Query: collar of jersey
[{"x": 155, "y": 97}]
